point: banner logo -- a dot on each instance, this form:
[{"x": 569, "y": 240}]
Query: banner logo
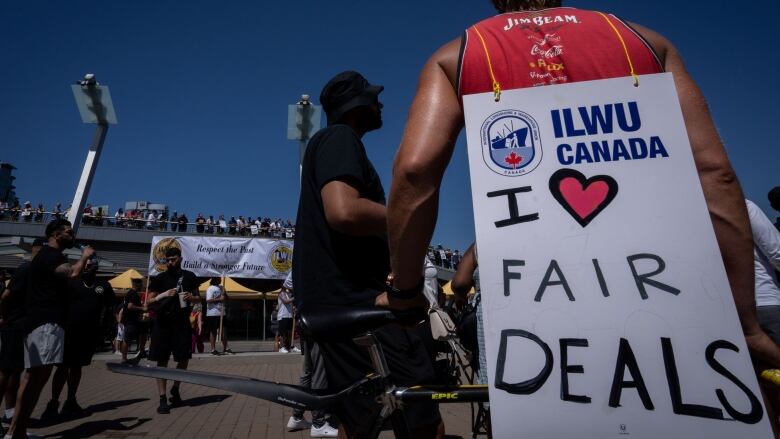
[
  {"x": 158, "y": 252},
  {"x": 510, "y": 143},
  {"x": 280, "y": 258}
]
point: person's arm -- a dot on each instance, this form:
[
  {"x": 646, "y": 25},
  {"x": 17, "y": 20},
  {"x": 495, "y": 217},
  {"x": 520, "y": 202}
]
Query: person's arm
[
  {"x": 155, "y": 294},
  {"x": 285, "y": 298},
  {"x": 74, "y": 270},
  {"x": 725, "y": 200},
  {"x": 463, "y": 279},
  {"x": 347, "y": 212},
  {"x": 191, "y": 293},
  {"x": 435, "y": 119}
]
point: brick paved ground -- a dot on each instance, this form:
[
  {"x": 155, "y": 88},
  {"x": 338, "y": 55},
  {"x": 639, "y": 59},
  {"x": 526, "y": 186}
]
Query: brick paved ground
[{"x": 122, "y": 406}]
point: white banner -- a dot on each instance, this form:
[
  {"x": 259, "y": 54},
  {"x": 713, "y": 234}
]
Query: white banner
[
  {"x": 607, "y": 309},
  {"x": 211, "y": 256}
]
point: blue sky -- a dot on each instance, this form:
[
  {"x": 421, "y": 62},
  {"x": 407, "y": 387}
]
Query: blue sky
[{"x": 201, "y": 90}]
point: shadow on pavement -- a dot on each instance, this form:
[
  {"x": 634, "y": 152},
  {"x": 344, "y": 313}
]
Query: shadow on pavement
[
  {"x": 201, "y": 400},
  {"x": 88, "y": 411},
  {"x": 93, "y": 428},
  {"x": 111, "y": 405}
]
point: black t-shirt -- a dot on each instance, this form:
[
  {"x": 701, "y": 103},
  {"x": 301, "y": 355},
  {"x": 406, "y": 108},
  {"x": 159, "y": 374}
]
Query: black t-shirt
[
  {"x": 47, "y": 301},
  {"x": 131, "y": 317},
  {"x": 168, "y": 309},
  {"x": 329, "y": 267},
  {"x": 15, "y": 307},
  {"x": 88, "y": 303}
]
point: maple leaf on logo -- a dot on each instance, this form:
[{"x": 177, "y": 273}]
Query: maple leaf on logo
[{"x": 513, "y": 159}]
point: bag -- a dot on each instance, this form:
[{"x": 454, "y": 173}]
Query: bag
[
  {"x": 442, "y": 326},
  {"x": 467, "y": 327}
]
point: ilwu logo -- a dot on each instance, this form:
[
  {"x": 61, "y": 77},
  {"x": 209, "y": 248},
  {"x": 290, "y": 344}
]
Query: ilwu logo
[{"x": 510, "y": 143}]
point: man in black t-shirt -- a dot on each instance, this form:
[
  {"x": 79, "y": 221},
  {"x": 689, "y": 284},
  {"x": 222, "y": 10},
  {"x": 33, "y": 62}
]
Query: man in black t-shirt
[
  {"x": 135, "y": 328},
  {"x": 171, "y": 294},
  {"x": 88, "y": 299},
  {"x": 46, "y": 305},
  {"x": 12, "y": 311},
  {"x": 341, "y": 256}
]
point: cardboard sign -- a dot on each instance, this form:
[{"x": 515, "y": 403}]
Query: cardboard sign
[
  {"x": 607, "y": 308},
  {"x": 221, "y": 256}
]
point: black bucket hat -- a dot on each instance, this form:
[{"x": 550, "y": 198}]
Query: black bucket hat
[{"x": 346, "y": 91}]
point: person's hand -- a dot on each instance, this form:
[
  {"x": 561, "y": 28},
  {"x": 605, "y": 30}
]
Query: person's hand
[
  {"x": 87, "y": 252},
  {"x": 170, "y": 293},
  {"x": 461, "y": 301},
  {"x": 188, "y": 297}
]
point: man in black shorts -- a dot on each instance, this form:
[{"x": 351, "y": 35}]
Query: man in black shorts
[
  {"x": 12, "y": 331},
  {"x": 46, "y": 312},
  {"x": 171, "y": 294},
  {"x": 341, "y": 255},
  {"x": 89, "y": 297},
  {"x": 134, "y": 327}
]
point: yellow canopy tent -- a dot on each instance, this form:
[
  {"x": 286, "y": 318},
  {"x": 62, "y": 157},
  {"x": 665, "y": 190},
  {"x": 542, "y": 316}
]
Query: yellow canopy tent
[
  {"x": 122, "y": 282},
  {"x": 234, "y": 289},
  {"x": 273, "y": 295},
  {"x": 448, "y": 289}
]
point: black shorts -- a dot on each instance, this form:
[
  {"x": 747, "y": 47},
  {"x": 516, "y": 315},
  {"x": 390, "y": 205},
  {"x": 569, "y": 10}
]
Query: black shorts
[
  {"x": 409, "y": 365},
  {"x": 212, "y": 324},
  {"x": 769, "y": 320},
  {"x": 285, "y": 326},
  {"x": 171, "y": 337},
  {"x": 11, "y": 348},
  {"x": 131, "y": 331},
  {"x": 79, "y": 347}
]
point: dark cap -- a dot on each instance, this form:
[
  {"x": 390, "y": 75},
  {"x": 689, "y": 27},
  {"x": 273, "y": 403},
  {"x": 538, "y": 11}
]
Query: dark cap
[
  {"x": 346, "y": 91},
  {"x": 774, "y": 196}
]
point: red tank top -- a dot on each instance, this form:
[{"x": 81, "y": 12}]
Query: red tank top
[{"x": 550, "y": 46}]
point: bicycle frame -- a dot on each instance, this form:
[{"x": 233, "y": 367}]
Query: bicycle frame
[{"x": 389, "y": 396}]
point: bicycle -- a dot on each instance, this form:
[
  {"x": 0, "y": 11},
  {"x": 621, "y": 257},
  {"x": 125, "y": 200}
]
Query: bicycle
[{"x": 358, "y": 323}]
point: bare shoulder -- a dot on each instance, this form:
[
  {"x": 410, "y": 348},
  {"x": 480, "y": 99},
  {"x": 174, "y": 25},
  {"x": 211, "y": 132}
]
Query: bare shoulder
[
  {"x": 446, "y": 59},
  {"x": 660, "y": 44}
]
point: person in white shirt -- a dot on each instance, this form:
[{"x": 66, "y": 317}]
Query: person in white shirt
[
  {"x": 285, "y": 316},
  {"x": 766, "y": 259},
  {"x": 215, "y": 315},
  {"x": 222, "y": 225},
  {"x": 150, "y": 220}
]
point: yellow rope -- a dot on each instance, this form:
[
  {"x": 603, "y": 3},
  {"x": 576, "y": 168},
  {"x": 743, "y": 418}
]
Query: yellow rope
[
  {"x": 496, "y": 85},
  {"x": 625, "y": 49}
]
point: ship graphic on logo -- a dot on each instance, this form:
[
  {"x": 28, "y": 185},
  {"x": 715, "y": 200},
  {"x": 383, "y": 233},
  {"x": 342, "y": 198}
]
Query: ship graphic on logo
[{"x": 510, "y": 143}]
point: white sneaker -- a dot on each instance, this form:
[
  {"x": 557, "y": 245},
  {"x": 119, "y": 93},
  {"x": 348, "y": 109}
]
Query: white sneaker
[
  {"x": 295, "y": 349},
  {"x": 325, "y": 431},
  {"x": 283, "y": 350},
  {"x": 297, "y": 424}
]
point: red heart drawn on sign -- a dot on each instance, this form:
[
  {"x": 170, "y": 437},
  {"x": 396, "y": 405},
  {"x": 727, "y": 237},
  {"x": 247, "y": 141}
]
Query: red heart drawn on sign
[{"x": 584, "y": 198}]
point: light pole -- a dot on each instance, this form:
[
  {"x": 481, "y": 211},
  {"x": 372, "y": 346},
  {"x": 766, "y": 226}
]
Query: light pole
[
  {"x": 303, "y": 120},
  {"x": 95, "y": 106}
]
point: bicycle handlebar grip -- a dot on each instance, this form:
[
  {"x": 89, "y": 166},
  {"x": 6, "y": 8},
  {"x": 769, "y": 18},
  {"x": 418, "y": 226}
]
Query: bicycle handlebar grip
[{"x": 771, "y": 375}]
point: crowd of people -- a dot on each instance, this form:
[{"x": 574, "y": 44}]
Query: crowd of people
[
  {"x": 156, "y": 220},
  {"x": 54, "y": 316},
  {"x": 444, "y": 257}
]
